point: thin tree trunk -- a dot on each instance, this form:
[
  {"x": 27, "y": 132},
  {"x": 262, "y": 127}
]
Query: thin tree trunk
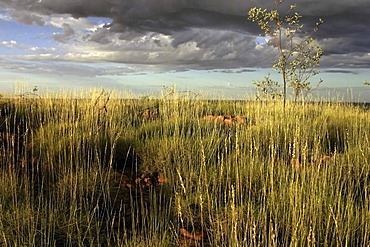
[{"x": 284, "y": 82}]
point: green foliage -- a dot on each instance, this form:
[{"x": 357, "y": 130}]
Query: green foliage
[
  {"x": 299, "y": 54},
  {"x": 172, "y": 92},
  {"x": 267, "y": 89}
]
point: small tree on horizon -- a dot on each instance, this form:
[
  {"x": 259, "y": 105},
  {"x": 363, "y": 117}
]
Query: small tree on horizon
[
  {"x": 267, "y": 89},
  {"x": 299, "y": 55}
]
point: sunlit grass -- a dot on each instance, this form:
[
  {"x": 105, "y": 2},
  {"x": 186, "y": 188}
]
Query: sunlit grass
[{"x": 299, "y": 176}]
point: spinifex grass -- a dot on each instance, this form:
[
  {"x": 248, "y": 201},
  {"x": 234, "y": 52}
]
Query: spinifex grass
[{"x": 71, "y": 170}]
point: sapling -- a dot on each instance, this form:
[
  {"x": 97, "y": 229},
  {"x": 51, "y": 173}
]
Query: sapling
[{"x": 299, "y": 54}]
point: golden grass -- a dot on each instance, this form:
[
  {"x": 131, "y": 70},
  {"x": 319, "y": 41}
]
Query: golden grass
[{"x": 69, "y": 172}]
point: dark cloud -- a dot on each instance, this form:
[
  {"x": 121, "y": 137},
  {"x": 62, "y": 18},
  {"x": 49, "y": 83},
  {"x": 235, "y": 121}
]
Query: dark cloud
[
  {"x": 61, "y": 69},
  {"x": 27, "y": 17},
  {"x": 353, "y": 60},
  {"x": 340, "y": 71},
  {"x": 100, "y": 36},
  {"x": 203, "y": 34},
  {"x": 345, "y": 33},
  {"x": 68, "y": 32}
]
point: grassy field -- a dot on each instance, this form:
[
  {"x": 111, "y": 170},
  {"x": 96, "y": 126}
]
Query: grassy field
[{"x": 99, "y": 172}]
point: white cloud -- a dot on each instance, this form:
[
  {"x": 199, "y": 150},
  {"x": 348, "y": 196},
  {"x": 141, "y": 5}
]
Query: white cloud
[
  {"x": 59, "y": 21},
  {"x": 9, "y": 44},
  {"x": 5, "y": 17},
  {"x": 24, "y": 47}
]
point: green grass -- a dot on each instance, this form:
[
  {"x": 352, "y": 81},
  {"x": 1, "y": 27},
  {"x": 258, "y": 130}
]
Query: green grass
[{"x": 68, "y": 170}]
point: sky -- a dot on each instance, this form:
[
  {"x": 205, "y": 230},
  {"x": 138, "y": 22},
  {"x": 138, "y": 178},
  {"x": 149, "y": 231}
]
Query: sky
[{"x": 139, "y": 46}]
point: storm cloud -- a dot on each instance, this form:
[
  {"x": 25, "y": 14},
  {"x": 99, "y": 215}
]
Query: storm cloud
[{"x": 193, "y": 34}]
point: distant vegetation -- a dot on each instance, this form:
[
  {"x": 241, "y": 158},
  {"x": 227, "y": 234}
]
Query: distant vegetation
[{"x": 101, "y": 171}]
